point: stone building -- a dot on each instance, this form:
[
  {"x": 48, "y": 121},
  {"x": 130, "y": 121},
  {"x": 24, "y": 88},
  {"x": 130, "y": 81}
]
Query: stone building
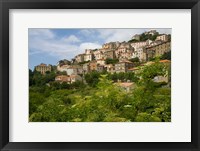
[
  {"x": 109, "y": 54},
  {"x": 79, "y": 58},
  {"x": 148, "y": 42},
  {"x": 162, "y": 37},
  {"x": 123, "y": 66},
  {"x": 43, "y": 68},
  {"x": 101, "y": 61},
  {"x": 158, "y": 50},
  {"x": 89, "y": 56},
  {"x": 100, "y": 68},
  {"x": 74, "y": 69},
  {"x": 86, "y": 68},
  {"x": 124, "y": 51},
  {"x": 110, "y": 68},
  {"x": 140, "y": 53},
  {"x": 111, "y": 45},
  {"x": 68, "y": 78},
  {"x": 154, "y": 43},
  {"x": 63, "y": 78},
  {"x": 98, "y": 54},
  {"x": 93, "y": 66},
  {"x": 62, "y": 68},
  {"x": 139, "y": 44}
]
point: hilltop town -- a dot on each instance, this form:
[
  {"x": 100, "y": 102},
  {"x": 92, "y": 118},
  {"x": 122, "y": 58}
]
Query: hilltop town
[
  {"x": 113, "y": 57},
  {"x": 119, "y": 82}
]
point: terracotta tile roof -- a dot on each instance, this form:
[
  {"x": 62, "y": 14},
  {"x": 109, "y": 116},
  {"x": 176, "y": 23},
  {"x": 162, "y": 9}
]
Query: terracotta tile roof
[{"x": 165, "y": 61}]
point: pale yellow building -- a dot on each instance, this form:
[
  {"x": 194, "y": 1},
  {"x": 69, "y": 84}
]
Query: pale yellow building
[{"x": 43, "y": 68}]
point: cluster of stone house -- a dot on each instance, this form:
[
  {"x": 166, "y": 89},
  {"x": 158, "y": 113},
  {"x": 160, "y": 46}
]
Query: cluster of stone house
[
  {"x": 110, "y": 50},
  {"x": 95, "y": 59},
  {"x": 74, "y": 71},
  {"x": 144, "y": 50}
]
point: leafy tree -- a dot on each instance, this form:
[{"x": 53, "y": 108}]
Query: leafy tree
[
  {"x": 133, "y": 40},
  {"x": 169, "y": 37},
  {"x": 31, "y": 81},
  {"x": 144, "y": 37},
  {"x": 101, "y": 99},
  {"x": 111, "y": 61},
  {"x": 50, "y": 111},
  {"x": 92, "y": 78},
  {"x": 166, "y": 55},
  {"x": 149, "y": 103},
  {"x": 35, "y": 99},
  {"x": 80, "y": 63},
  {"x": 136, "y": 59}
]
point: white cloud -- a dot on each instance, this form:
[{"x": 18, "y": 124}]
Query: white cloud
[
  {"x": 45, "y": 41},
  {"x": 53, "y": 47},
  {"x": 42, "y": 33},
  {"x": 111, "y": 35},
  {"x": 89, "y": 45},
  {"x": 71, "y": 39}
]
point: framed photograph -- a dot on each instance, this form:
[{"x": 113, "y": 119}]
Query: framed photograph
[{"x": 99, "y": 75}]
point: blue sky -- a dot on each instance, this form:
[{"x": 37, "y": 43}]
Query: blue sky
[{"x": 51, "y": 45}]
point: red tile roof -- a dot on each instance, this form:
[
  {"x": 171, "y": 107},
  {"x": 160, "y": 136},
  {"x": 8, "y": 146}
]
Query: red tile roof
[{"x": 165, "y": 61}]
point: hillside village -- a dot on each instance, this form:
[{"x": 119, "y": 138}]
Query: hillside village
[
  {"x": 114, "y": 57},
  {"x": 119, "y": 82}
]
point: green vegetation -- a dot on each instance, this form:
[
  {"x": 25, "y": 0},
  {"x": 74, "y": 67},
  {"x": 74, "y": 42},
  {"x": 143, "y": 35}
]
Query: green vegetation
[
  {"x": 134, "y": 60},
  {"x": 80, "y": 63},
  {"x": 111, "y": 61},
  {"x": 101, "y": 100},
  {"x": 92, "y": 78},
  {"x": 35, "y": 78},
  {"x": 133, "y": 40},
  {"x": 169, "y": 37},
  {"x": 166, "y": 56},
  {"x": 144, "y": 37}
]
